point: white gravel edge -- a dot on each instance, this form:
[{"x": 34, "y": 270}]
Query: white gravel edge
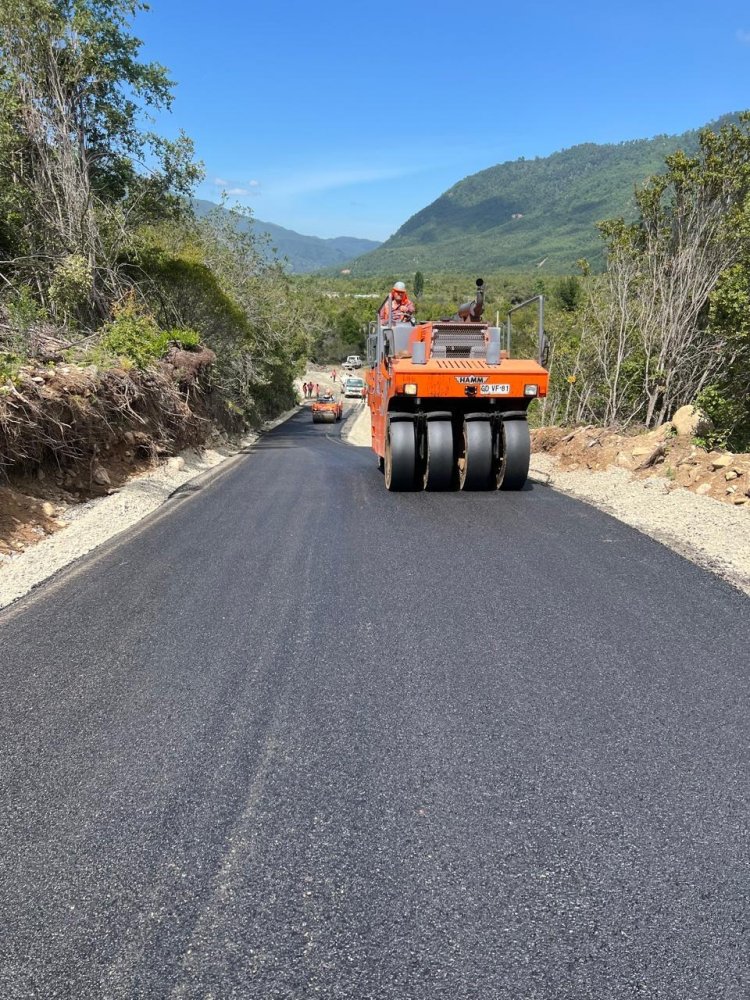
[
  {"x": 357, "y": 431},
  {"x": 91, "y": 524}
]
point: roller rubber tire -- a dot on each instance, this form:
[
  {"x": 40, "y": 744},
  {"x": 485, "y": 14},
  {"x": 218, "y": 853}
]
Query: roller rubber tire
[
  {"x": 400, "y": 456},
  {"x": 515, "y": 455},
  {"x": 440, "y": 470},
  {"x": 476, "y": 473}
]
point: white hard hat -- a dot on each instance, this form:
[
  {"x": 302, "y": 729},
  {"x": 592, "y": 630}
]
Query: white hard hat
[{"x": 399, "y": 287}]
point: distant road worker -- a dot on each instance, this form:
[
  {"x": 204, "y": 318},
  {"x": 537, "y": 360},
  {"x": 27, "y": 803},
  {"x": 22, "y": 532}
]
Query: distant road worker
[
  {"x": 398, "y": 307},
  {"x": 304, "y": 389}
]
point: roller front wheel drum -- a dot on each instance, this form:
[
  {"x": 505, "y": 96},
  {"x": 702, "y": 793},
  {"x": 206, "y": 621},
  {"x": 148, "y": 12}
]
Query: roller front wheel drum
[
  {"x": 515, "y": 455},
  {"x": 400, "y": 456},
  {"x": 440, "y": 468},
  {"x": 475, "y": 468}
]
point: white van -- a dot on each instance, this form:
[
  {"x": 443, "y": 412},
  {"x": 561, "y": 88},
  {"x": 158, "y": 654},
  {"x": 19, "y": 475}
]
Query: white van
[{"x": 354, "y": 387}]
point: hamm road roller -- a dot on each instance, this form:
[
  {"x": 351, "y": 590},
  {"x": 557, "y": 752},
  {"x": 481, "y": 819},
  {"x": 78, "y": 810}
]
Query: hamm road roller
[{"x": 448, "y": 402}]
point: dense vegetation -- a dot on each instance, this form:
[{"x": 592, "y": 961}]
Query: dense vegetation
[
  {"x": 666, "y": 324},
  {"x": 517, "y": 214},
  {"x": 103, "y": 262}
]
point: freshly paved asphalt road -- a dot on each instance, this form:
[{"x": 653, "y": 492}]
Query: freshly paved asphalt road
[{"x": 300, "y": 737}]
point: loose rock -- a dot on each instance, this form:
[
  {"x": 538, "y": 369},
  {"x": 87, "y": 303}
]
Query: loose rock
[
  {"x": 689, "y": 421},
  {"x": 100, "y": 476}
]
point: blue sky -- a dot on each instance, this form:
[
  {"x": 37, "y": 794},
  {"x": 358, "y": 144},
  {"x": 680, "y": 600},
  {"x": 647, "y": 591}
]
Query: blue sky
[{"x": 337, "y": 118}]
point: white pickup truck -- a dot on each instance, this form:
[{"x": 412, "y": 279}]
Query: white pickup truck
[{"x": 353, "y": 361}]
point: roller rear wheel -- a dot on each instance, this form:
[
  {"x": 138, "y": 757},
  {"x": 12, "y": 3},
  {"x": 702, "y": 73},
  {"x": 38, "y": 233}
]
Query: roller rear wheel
[
  {"x": 400, "y": 456},
  {"x": 475, "y": 467},
  {"x": 440, "y": 465},
  {"x": 515, "y": 455}
]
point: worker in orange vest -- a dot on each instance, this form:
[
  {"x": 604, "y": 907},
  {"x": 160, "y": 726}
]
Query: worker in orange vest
[{"x": 398, "y": 307}]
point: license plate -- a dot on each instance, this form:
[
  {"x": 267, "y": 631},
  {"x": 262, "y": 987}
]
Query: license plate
[{"x": 494, "y": 389}]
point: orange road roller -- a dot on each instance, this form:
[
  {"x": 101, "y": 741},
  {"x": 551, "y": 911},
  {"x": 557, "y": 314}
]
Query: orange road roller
[{"x": 448, "y": 402}]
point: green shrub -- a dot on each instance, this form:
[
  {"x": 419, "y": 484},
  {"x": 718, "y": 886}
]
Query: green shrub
[
  {"x": 134, "y": 337},
  {"x": 730, "y": 414},
  {"x": 24, "y": 311},
  {"x": 9, "y": 365},
  {"x": 71, "y": 286}
]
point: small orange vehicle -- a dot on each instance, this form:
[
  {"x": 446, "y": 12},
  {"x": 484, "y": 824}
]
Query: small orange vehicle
[
  {"x": 326, "y": 409},
  {"x": 448, "y": 403}
]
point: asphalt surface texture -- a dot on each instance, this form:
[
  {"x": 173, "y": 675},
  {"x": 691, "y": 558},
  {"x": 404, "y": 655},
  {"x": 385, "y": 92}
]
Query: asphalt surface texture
[{"x": 299, "y": 737}]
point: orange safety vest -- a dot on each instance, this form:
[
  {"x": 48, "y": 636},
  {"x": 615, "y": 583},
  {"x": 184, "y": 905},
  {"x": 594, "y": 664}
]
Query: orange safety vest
[{"x": 400, "y": 306}]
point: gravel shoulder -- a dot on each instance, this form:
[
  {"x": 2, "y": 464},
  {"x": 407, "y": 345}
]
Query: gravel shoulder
[{"x": 704, "y": 530}]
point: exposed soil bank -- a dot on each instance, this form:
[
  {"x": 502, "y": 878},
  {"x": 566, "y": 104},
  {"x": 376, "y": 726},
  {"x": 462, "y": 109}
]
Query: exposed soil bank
[
  {"x": 672, "y": 457},
  {"x": 69, "y": 434}
]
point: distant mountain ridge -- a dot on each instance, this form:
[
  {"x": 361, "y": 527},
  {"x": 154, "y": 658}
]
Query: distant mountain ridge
[
  {"x": 517, "y": 214},
  {"x": 305, "y": 253}
]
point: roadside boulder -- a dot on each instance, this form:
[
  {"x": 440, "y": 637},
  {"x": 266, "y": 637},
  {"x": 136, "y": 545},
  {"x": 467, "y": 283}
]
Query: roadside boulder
[
  {"x": 100, "y": 476},
  {"x": 689, "y": 421}
]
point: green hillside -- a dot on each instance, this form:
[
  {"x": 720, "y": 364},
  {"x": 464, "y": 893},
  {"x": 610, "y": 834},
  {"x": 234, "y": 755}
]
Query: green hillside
[
  {"x": 304, "y": 254},
  {"x": 517, "y": 214}
]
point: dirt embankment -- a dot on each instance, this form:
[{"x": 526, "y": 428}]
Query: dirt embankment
[
  {"x": 674, "y": 460},
  {"x": 69, "y": 434}
]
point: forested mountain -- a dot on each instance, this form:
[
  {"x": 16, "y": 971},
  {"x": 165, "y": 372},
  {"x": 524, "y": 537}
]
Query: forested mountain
[
  {"x": 304, "y": 253},
  {"x": 517, "y": 214}
]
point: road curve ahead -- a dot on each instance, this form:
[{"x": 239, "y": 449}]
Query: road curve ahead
[{"x": 299, "y": 737}]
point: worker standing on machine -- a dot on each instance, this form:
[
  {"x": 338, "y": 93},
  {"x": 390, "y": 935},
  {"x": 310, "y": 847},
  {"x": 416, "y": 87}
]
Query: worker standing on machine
[{"x": 398, "y": 307}]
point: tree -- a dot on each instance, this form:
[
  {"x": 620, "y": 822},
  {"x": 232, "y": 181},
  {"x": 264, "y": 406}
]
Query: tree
[
  {"x": 418, "y": 284},
  {"x": 726, "y": 399},
  {"x": 693, "y": 226},
  {"x": 73, "y": 146},
  {"x": 568, "y": 293}
]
